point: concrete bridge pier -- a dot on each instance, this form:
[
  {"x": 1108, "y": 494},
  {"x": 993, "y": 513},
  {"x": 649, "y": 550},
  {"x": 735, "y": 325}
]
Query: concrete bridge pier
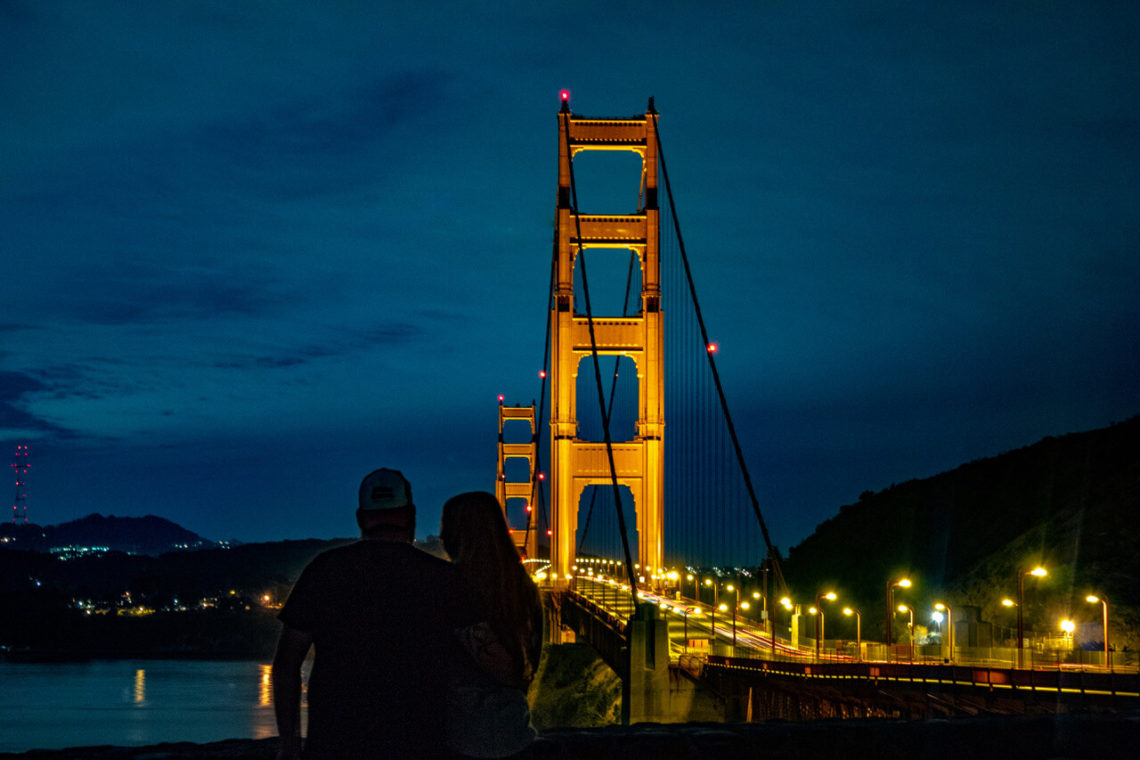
[{"x": 645, "y": 684}]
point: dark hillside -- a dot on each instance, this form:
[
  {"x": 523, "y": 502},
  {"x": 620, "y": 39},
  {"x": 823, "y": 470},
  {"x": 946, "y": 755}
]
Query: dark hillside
[{"x": 1070, "y": 503}]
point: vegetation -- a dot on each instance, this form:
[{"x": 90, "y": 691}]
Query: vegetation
[
  {"x": 573, "y": 687},
  {"x": 214, "y": 602},
  {"x": 1070, "y": 504}
]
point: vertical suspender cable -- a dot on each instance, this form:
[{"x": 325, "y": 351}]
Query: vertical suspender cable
[
  {"x": 712, "y": 364},
  {"x": 537, "y": 487}
]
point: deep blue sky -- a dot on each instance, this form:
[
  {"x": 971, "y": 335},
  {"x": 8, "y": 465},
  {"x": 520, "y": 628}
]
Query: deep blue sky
[{"x": 253, "y": 250}]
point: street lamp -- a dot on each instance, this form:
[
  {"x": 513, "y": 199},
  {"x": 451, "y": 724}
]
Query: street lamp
[
  {"x": 858, "y": 631},
  {"x": 949, "y": 628},
  {"x": 1037, "y": 572},
  {"x": 1093, "y": 599},
  {"x": 735, "y": 608},
  {"x": 910, "y": 627},
  {"x": 1067, "y": 628},
  {"x": 819, "y": 627},
  {"x": 720, "y": 608},
  {"x": 891, "y": 585},
  {"x": 786, "y": 602}
]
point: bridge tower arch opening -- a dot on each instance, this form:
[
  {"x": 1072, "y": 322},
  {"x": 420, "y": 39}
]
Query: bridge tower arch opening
[
  {"x": 575, "y": 462},
  {"x": 514, "y": 479}
]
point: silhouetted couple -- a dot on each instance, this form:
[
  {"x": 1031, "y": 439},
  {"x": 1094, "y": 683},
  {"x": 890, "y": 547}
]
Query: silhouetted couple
[{"x": 414, "y": 656}]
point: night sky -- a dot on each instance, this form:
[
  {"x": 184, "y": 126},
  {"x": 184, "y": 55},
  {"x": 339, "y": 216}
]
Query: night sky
[{"x": 254, "y": 250}]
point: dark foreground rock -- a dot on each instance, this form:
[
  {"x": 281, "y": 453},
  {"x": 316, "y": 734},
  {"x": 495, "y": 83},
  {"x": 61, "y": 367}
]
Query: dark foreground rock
[{"x": 1018, "y": 738}]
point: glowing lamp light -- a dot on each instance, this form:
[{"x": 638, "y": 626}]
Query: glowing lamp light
[
  {"x": 500, "y": 398},
  {"x": 1039, "y": 572},
  {"x": 565, "y": 95},
  {"x": 549, "y": 532},
  {"x": 527, "y": 507},
  {"x": 542, "y": 373},
  {"x": 542, "y": 476},
  {"x": 712, "y": 348}
]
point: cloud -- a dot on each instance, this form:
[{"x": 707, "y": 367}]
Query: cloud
[{"x": 15, "y": 420}]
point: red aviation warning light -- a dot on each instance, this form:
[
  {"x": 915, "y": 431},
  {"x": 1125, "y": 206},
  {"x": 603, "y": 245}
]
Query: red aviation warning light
[
  {"x": 542, "y": 476},
  {"x": 712, "y": 348},
  {"x": 542, "y": 374},
  {"x": 549, "y": 532},
  {"x": 565, "y": 95},
  {"x": 500, "y": 398},
  {"x": 528, "y": 508}
]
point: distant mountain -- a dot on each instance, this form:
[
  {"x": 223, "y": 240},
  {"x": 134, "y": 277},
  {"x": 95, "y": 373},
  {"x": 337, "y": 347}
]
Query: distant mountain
[
  {"x": 134, "y": 535},
  {"x": 1070, "y": 503}
]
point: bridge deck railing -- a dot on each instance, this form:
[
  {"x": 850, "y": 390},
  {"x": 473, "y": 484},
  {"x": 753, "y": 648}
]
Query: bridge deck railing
[{"x": 690, "y": 636}]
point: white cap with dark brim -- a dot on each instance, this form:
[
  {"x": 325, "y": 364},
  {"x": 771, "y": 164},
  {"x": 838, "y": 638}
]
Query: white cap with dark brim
[{"x": 385, "y": 489}]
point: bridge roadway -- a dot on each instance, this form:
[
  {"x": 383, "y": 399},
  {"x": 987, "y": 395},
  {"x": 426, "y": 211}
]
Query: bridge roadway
[{"x": 759, "y": 677}]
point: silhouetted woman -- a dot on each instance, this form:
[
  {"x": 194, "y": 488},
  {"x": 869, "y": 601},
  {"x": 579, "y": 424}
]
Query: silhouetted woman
[{"x": 488, "y": 715}]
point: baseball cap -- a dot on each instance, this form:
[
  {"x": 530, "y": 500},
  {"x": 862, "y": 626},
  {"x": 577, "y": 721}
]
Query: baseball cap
[{"x": 385, "y": 489}]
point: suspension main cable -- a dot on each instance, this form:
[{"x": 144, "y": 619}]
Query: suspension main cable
[
  {"x": 712, "y": 364},
  {"x": 536, "y": 485},
  {"x": 597, "y": 367}
]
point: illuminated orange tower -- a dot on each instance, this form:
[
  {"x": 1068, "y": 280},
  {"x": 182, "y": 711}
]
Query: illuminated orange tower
[
  {"x": 640, "y": 463},
  {"x": 525, "y": 539}
]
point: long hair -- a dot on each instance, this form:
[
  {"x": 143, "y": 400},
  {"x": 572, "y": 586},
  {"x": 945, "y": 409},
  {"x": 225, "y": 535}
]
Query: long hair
[{"x": 475, "y": 535}]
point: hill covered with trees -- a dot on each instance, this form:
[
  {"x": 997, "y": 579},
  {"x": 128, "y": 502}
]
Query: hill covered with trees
[{"x": 1070, "y": 504}]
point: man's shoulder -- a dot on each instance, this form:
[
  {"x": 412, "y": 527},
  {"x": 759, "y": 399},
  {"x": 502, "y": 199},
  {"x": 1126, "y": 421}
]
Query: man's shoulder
[{"x": 401, "y": 552}]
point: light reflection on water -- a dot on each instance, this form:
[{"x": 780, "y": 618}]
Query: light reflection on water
[{"x": 134, "y": 702}]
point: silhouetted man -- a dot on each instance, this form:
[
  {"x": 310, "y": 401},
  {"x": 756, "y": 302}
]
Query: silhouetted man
[{"x": 381, "y": 617}]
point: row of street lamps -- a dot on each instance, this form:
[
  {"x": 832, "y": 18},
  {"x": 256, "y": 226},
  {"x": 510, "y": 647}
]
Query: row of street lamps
[{"x": 942, "y": 612}]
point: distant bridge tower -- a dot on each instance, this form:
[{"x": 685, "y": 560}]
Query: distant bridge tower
[
  {"x": 640, "y": 463},
  {"x": 526, "y": 539},
  {"x": 20, "y": 469}
]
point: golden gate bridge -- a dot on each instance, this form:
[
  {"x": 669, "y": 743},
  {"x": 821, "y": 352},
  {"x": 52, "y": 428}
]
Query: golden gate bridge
[{"x": 639, "y": 424}]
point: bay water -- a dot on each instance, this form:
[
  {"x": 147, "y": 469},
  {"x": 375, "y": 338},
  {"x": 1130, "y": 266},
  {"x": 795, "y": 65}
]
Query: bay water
[{"x": 133, "y": 703}]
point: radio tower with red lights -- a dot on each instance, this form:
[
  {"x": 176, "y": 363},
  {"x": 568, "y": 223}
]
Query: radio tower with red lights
[{"x": 20, "y": 469}]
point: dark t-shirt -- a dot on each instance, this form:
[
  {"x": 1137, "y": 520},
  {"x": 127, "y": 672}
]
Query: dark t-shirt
[{"x": 383, "y": 616}]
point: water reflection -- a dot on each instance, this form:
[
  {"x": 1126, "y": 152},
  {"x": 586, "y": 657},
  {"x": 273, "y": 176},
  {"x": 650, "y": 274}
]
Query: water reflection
[
  {"x": 140, "y": 686},
  {"x": 135, "y": 702},
  {"x": 265, "y": 687}
]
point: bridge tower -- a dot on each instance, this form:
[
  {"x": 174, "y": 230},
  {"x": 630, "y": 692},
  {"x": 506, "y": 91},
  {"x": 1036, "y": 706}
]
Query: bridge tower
[
  {"x": 526, "y": 539},
  {"x": 575, "y": 463}
]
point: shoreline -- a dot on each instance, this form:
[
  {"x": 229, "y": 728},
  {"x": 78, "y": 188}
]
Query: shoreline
[{"x": 1078, "y": 736}]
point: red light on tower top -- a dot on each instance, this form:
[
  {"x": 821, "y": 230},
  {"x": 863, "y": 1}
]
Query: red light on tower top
[
  {"x": 542, "y": 373},
  {"x": 501, "y": 398},
  {"x": 565, "y": 95},
  {"x": 712, "y": 348}
]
